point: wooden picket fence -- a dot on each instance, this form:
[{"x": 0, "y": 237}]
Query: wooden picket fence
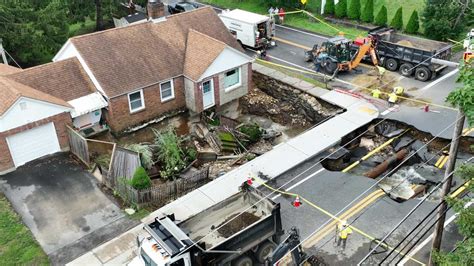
[
  {"x": 78, "y": 145},
  {"x": 160, "y": 194}
]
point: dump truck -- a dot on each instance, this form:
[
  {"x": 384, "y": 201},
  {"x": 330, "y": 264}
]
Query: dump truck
[
  {"x": 410, "y": 55},
  {"x": 236, "y": 231}
]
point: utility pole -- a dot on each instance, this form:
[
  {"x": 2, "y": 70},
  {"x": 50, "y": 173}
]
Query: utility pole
[
  {"x": 2, "y": 52},
  {"x": 453, "y": 151}
]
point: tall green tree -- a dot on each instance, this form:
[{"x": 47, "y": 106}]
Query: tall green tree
[
  {"x": 381, "y": 18},
  {"x": 397, "y": 20},
  {"x": 413, "y": 23},
  {"x": 353, "y": 12},
  {"x": 443, "y": 19},
  {"x": 463, "y": 97},
  {"x": 341, "y": 9},
  {"x": 368, "y": 12},
  {"x": 329, "y": 7}
]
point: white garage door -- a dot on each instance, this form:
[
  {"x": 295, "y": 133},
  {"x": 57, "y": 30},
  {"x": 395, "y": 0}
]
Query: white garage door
[{"x": 32, "y": 144}]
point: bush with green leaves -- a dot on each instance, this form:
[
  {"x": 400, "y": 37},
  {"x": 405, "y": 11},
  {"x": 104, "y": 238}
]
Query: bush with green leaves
[
  {"x": 146, "y": 154},
  {"x": 413, "y": 23},
  {"x": 329, "y": 7},
  {"x": 353, "y": 12},
  {"x": 253, "y": 131},
  {"x": 397, "y": 20},
  {"x": 170, "y": 153},
  {"x": 381, "y": 18},
  {"x": 340, "y": 10},
  {"x": 367, "y": 14},
  {"x": 140, "y": 179}
]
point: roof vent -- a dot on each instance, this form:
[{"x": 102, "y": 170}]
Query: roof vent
[{"x": 155, "y": 9}]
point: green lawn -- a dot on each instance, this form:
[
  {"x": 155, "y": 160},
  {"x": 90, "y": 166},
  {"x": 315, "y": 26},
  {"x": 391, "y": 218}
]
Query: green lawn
[
  {"x": 296, "y": 20},
  {"x": 81, "y": 28},
  {"x": 17, "y": 245}
]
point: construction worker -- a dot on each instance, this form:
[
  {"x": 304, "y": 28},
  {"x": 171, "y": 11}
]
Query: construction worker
[
  {"x": 344, "y": 231},
  {"x": 376, "y": 93},
  {"x": 381, "y": 72},
  {"x": 392, "y": 99},
  {"x": 399, "y": 90}
]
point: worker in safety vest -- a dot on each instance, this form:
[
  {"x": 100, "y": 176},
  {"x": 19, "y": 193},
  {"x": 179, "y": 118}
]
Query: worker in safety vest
[
  {"x": 398, "y": 90},
  {"x": 381, "y": 71},
  {"x": 392, "y": 99},
  {"x": 376, "y": 93},
  {"x": 344, "y": 231}
]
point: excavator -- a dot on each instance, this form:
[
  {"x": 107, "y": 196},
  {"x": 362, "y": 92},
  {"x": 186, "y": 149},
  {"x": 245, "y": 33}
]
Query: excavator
[{"x": 342, "y": 54}]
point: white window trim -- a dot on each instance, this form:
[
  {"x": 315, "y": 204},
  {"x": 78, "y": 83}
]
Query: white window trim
[
  {"x": 130, "y": 104},
  {"x": 235, "y": 85},
  {"x": 172, "y": 91}
]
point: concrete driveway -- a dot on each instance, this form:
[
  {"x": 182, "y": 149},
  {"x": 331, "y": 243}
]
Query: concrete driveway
[{"x": 63, "y": 206}]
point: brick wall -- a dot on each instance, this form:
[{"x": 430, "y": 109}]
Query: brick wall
[
  {"x": 60, "y": 121},
  {"x": 118, "y": 114}
]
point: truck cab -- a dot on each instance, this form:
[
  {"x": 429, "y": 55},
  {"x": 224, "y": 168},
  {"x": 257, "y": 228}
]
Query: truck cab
[{"x": 151, "y": 253}]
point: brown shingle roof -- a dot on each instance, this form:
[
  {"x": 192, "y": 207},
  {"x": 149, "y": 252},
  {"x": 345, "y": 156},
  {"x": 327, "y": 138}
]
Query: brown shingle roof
[
  {"x": 128, "y": 58},
  {"x": 6, "y": 69},
  {"x": 12, "y": 91},
  {"x": 65, "y": 79},
  {"x": 201, "y": 51}
]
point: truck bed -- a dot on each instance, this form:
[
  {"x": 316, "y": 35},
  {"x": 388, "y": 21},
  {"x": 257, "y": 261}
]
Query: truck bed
[
  {"x": 390, "y": 35},
  {"x": 206, "y": 221}
]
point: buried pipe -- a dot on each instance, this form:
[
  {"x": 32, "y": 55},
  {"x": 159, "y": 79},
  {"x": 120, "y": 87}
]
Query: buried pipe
[{"x": 379, "y": 169}]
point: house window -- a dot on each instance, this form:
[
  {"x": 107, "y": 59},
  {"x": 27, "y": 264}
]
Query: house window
[
  {"x": 232, "y": 79},
  {"x": 135, "y": 101},
  {"x": 167, "y": 90}
]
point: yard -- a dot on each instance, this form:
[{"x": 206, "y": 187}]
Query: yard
[
  {"x": 393, "y": 5},
  {"x": 17, "y": 245}
]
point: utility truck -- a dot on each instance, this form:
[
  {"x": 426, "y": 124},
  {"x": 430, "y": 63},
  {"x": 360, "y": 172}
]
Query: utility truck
[
  {"x": 236, "y": 231},
  {"x": 251, "y": 30}
]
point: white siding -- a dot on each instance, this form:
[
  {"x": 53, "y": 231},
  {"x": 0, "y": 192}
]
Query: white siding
[
  {"x": 227, "y": 60},
  {"x": 26, "y": 110}
]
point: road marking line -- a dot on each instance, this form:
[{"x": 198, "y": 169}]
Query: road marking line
[
  {"x": 440, "y": 79},
  {"x": 443, "y": 162},
  {"x": 441, "y": 158},
  {"x": 444, "y": 159},
  {"x": 389, "y": 110},
  {"x": 300, "y": 182},
  {"x": 346, "y": 215}
]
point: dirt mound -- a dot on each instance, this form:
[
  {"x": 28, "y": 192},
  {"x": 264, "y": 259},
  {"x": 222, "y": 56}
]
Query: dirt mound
[
  {"x": 237, "y": 224},
  {"x": 369, "y": 80},
  {"x": 405, "y": 43}
]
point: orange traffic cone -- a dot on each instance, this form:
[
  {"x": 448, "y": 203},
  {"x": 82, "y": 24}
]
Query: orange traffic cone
[
  {"x": 249, "y": 181},
  {"x": 297, "y": 202}
]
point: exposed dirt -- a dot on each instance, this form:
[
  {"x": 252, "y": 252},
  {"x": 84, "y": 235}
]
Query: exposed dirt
[
  {"x": 388, "y": 82},
  {"x": 237, "y": 224},
  {"x": 405, "y": 43}
]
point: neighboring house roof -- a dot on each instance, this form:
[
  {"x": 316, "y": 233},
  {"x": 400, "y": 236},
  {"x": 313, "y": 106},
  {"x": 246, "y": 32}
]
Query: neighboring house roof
[
  {"x": 124, "y": 59},
  {"x": 6, "y": 69},
  {"x": 87, "y": 104},
  {"x": 135, "y": 17},
  {"x": 201, "y": 51},
  {"x": 12, "y": 91},
  {"x": 64, "y": 79}
]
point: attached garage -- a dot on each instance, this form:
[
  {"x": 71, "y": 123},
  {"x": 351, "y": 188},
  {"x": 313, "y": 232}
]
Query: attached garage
[{"x": 33, "y": 144}]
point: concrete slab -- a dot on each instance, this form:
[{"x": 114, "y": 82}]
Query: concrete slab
[
  {"x": 87, "y": 259},
  {"x": 290, "y": 80},
  {"x": 265, "y": 71},
  {"x": 340, "y": 99},
  {"x": 117, "y": 246},
  {"x": 317, "y": 91},
  {"x": 304, "y": 85},
  {"x": 278, "y": 75}
]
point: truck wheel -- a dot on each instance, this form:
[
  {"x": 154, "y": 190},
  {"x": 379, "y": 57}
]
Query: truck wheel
[
  {"x": 406, "y": 69},
  {"x": 243, "y": 260},
  {"x": 391, "y": 64},
  {"x": 330, "y": 66},
  {"x": 422, "y": 73},
  {"x": 265, "y": 250}
]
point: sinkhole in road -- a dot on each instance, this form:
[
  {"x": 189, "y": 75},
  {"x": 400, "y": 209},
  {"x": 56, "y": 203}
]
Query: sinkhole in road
[{"x": 412, "y": 163}]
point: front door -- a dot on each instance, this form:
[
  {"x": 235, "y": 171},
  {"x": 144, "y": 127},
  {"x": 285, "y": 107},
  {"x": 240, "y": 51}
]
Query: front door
[{"x": 208, "y": 94}]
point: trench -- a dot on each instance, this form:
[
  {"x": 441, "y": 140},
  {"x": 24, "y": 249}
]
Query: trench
[{"x": 411, "y": 169}]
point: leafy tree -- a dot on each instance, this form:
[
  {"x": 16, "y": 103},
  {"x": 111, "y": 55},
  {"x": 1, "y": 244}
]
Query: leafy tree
[
  {"x": 368, "y": 13},
  {"x": 381, "y": 19},
  {"x": 463, "y": 97},
  {"x": 463, "y": 253},
  {"x": 329, "y": 7},
  {"x": 397, "y": 21},
  {"x": 354, "y": 9},
  {"x": 341, "y": 9},
  {"x": 140, "y": 179},
  {"x": 170, "y": 152},
  {"x": 413, "y": 23},
  {"x": 443, "y": 19}
]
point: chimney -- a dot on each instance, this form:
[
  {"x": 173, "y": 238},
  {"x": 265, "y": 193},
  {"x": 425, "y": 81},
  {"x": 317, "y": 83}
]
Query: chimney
[{"x": 155, "y": 9}]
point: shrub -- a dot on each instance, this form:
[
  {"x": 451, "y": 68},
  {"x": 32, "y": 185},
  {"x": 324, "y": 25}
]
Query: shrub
[
  {"x": 146, "y": 154},
  {"x": 413, "y": 23},
  {"x": 353, "y": 12},
  {"x": 170, "y": 152},
  {"x": 329, "y": 7},
  {"x": 253, "y": 131},
  {"x": 140, "y": 179},
  {"x": 381, "y": 19},
  {"x": 341, "y": 9},
  {"x": 397, "y": 21},
  {"x": 368, "y": 13}
]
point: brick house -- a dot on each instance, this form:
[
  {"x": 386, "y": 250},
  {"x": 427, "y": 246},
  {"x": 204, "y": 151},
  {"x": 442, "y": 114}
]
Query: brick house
[{"x": 145, "y": 71}]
